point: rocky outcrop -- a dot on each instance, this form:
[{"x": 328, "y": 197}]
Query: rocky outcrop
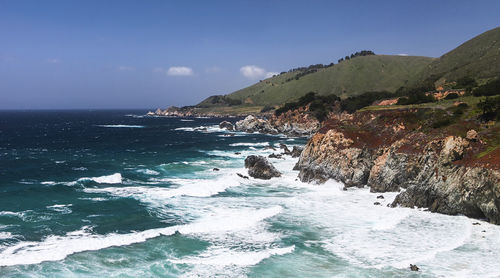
[
  {"x": 429, "y": 170},
  {"x": 226, "y": 125},
  {"x": 191, "y": 111},
  {"x": 253, "y": 124},
  {"x": 295, "y": 123},
  {"x": 260, "y": 168},
  {"x": 295, "y": 152},
  {"x": 330, "y": 156}
]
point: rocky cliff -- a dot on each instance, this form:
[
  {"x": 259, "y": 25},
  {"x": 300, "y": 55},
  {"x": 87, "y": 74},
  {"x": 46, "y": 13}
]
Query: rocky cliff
[{"x": 439, "y": 169}]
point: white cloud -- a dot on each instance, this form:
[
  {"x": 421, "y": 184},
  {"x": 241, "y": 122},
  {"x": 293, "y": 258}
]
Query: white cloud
[
  {"x": 271, "y": 74},
  {"x": 214, "y": 69},
  {"x": 126, "y": 68},
  {"x": 253, "y": 72},
  {"x": 180, "y": 71},
  {"x": 53, "y": 61},
  {"x": 402, "y": 54}
]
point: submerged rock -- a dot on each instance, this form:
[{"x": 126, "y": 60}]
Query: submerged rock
[
  {"x": 226, "y": 125},
  {"x": 285, "y": 149},
  {"x": 296, "y": 151},
  {"x": 273, "y": 155},
  {"x": 260, "y": 168},
  {"x": 242, "y": 176},
  {"x": 269, "y": 148}
]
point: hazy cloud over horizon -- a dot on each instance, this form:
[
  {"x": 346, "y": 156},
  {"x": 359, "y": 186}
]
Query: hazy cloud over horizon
[
  {"x": 180, "y": 71},
  {"x": 126, "y": 68}
]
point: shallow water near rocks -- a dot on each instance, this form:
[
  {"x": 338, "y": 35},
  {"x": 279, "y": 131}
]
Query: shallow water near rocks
[{"x": 106, "y": 193}]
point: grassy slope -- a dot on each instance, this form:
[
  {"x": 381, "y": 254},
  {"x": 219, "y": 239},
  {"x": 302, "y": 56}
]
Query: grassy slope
[
  {"x": 489, "y": 132},
  {"x": 478, "y": 58},
  {"x": 352, "y": 77}
]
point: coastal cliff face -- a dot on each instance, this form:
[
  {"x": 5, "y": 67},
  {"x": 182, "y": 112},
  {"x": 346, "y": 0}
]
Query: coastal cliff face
[{"x": 386, "y": 152}]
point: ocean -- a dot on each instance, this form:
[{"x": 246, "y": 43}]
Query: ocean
[{"x": 117, "y": 194}]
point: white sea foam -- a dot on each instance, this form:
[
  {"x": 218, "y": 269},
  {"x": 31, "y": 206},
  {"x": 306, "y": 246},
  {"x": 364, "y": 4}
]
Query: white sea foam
[
  {"x": 377, "y": 236},
  {"x": 134, "y": 116},
  {"x": 400, "y": 246},
  {"x": 55, "y": 248},
  {"x": 186, "y": 120},
  {"x": 79, "y": 169},
  {"x": 5, "y": 235},
  {"x": 207, "y": 129},
  {"x": 48, "y": 182},
  {"x": 12, "y": 214},
  {"x": 226, "y": 257},
  {"x": 64, "y": 209},
  {"x": 148, "y": 172},
  {"x": 96, "y": 199},
  {"x": 111, "y": 179},
  {"x": 122, "y": 126},
  {"x": 186, "y": 187},
  {"x": 259, "y": 144}
]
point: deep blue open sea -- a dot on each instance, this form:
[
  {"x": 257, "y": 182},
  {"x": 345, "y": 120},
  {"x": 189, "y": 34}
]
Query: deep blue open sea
[{"x": 116, "y": 194}]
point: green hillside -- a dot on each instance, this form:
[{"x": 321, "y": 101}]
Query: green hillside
[
  {"x": 478, "y": 58},
  {"x": 350, "y": 77}
]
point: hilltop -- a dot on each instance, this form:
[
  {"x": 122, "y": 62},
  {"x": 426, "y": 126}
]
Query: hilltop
[
  {"x": 477, "y": 58},
  {"x": 347, "y": 78},
  {"x": 475, "y": 62}
]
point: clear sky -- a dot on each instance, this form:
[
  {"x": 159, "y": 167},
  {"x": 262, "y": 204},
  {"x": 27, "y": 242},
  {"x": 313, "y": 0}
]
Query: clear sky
[{"x": 148, "y": 54}]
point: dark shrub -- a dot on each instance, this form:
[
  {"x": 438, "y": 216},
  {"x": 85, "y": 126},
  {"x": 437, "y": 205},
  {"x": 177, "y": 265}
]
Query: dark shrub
[
  {"x": 266, "y": 108},
  {"x": 466, "y": 82},
  {"x": 491, "y": 88},
  {"x": 351, "y": 104},
  {"x": 490, "y": 108},
  {"x": 451, "y": 96},
  {"x": 441, "y": 123},
  {"x": 319, "y": 106},
  {"x": 416, "y": 98}
]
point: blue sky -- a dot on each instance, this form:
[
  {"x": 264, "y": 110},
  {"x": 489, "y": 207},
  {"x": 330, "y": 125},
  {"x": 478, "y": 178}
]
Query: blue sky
[{"x": 147, "y": 54}]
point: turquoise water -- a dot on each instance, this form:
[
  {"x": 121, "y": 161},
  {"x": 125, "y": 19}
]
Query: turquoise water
[{"x": 115, "y": 194}]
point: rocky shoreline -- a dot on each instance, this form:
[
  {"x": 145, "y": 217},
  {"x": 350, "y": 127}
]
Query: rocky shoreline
[
  {"x": 186, "y": 111},
  {"x": 381, "y": 151},
  {"x": 429, "y": 171}
]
